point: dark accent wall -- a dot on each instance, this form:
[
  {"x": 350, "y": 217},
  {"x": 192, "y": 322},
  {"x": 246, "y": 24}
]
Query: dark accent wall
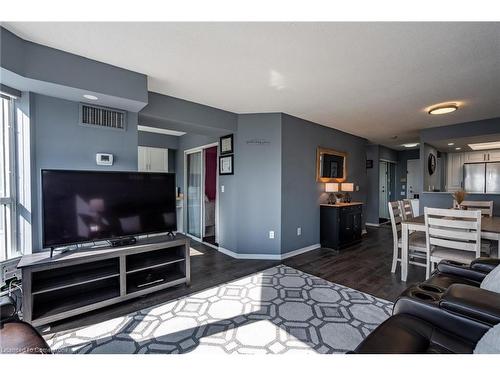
[
  {"x": 301, "y": 193},
  {"x": 61, "y": 143}
]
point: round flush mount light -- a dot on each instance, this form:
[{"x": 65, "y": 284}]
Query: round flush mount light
[
  {"x": 443, "y": 109},
  {"x": 410, "y": 145},
  {"x": 90, "y": 97}
]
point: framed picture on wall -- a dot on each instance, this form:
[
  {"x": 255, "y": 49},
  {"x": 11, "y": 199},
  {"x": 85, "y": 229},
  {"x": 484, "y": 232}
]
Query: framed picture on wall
[
  {"x": 226, "y": 165},
  {"x": 226, "y": 145}
]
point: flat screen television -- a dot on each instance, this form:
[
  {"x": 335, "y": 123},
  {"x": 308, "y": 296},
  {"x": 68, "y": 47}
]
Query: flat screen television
[{"x": 83, "y": 206}]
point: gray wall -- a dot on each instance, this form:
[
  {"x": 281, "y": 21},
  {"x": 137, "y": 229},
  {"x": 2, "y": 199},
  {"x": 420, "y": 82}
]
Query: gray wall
[
  {"x": 430, "y": 181},
  {"x": 257, "y": 199},
  {"x": 250, "y": 205},
  {"x": 401, "y": 170},
  {"x": 372, "y": 181},
  {"x": 301, "y": 193},
  {"x": 177, "y": 114},
  {"x": 34, "y": 65},
  {"x": 61, "y": 143}
]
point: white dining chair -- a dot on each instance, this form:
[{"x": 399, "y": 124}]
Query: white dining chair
[
  {"x": 407, "y": 208},
  {"x": 486, "y": 207},
  {"x": 452, "y": 235},
  {"x": 416, "y": 241}
]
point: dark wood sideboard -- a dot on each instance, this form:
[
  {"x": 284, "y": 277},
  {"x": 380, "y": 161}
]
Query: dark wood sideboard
[{"x": 340, "y": 224}]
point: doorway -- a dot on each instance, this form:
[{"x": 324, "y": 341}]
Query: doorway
[
  {"x": 386, "y": 188},
  {"x": 201, "y": 198}
]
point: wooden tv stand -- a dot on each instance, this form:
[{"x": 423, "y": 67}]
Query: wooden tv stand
[{"x": 83, "y": 280}]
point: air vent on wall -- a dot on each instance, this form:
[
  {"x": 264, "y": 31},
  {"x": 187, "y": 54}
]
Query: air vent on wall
[{"x": 91, "y": 115}]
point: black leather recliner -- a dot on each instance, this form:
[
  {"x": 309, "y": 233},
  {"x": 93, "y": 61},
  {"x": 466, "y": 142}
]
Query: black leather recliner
[
  {"x": 448, "y": 313},
  {"x": 448, "y": 272}
]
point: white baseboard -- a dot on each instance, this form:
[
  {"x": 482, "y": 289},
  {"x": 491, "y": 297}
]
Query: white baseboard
[
  {"x": 250, "y": 256},
  {"x": 269, "y": 256},
  {"x": 372, "y": 224},
  {"x": 300, "y": 251}
]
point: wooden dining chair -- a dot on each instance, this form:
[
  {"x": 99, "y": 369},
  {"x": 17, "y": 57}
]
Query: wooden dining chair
[
  {"x": 486, "y": 207},
  {"x": 407, "y": 209},
  {"x": 416, "y": 241},
  {"x": 452, "y": 235}
]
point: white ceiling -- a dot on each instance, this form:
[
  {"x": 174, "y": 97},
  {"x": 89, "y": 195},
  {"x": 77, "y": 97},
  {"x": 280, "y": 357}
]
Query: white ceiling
[{"x": 370, "y": 79}]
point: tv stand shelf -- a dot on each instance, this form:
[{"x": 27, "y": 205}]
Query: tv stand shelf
[{"x": 79, "y": 281}]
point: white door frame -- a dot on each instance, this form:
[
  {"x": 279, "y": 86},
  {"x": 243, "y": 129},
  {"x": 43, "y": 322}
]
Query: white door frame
[{"x": 202, "y": 206}]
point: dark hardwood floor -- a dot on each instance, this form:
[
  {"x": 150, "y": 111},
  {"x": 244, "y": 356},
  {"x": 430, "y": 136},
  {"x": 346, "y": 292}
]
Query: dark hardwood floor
[{"x": 365, "y": 267}]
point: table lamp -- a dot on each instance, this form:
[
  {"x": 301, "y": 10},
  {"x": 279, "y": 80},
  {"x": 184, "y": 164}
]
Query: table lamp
[
  {"x": 347, "y": 187},
  {"x": 331, "y": 188}
]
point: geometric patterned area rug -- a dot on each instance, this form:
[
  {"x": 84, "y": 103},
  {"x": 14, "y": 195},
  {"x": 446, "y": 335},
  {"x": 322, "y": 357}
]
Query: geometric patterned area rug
[{"x": 278, "y": 310}]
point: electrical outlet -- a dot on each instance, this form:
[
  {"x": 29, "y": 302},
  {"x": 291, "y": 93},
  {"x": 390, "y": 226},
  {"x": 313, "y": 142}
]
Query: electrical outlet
[
  {"x": 222, "y": 188},
  {"x": 8, "y": 270},
  {"x": 299, "y": 231},
  {"x": 271, "y": 234}
]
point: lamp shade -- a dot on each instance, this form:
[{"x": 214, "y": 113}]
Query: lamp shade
[
  {"x": 347, "y": 186},
  {"x": 331, "y": 187}
]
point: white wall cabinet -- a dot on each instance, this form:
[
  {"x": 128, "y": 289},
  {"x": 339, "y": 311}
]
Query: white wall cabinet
[
  {"x": 476, "y": 157},
  {"x": 494, "y": 155},
  {"x": 152, "y": 159},
  {"x": 454, "y": 175}
]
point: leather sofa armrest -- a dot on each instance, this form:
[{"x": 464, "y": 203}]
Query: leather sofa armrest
[
  {"x": 7, "y": 308},
  {"x": 475, "y": 303},
  {"x": 485, "y": 265},
  {"x": 461, "y": 270}
]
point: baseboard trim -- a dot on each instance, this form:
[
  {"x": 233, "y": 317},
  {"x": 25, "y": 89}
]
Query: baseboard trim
[
  {"x": 269, "y": 256},
  {"x": 300, "y": 251},
  {"x": 250, "y": 256},
  {"x": 372, "y": 225}
]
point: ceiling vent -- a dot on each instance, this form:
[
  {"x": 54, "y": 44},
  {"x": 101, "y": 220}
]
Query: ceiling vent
[{"x": 91, "y": 115}]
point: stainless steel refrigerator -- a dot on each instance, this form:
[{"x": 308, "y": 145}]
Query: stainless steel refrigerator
[{"x": 482, "y": 178}]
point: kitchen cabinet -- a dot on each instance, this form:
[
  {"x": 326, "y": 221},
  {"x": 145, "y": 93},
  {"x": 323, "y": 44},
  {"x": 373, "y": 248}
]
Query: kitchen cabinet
[
  {"x": 454, "y": 175},
  {"x": 152, "y": 159}
]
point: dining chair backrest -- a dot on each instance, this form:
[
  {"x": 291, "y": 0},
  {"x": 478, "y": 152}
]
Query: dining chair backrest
[
  {"x": 486, "y": 207},
  {"x": 407, "y": 209},
  {"x": 453, "y": 229},
  {"x": 396, "y": 216}
]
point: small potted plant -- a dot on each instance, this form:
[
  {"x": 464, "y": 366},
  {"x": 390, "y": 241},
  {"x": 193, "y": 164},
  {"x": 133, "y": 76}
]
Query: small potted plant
[{"x": 459, "y": 197}]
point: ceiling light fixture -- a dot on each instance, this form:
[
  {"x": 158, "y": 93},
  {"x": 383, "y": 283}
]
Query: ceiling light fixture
[
  {"x": 458, "y": 148},
  {"x": 451, "y": 144},
  {"x": 442, "y": 109},
  {"x": 485, "y": 145},
  {"x": 90, "y": 97},
  {"x": 410, "y": 145}
]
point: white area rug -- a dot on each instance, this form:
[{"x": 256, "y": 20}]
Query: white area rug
[{"x": 279, "y": 310}]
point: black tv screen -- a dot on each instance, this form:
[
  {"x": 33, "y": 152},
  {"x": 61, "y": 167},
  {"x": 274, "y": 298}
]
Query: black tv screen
[{"x": 83, "y": 206}]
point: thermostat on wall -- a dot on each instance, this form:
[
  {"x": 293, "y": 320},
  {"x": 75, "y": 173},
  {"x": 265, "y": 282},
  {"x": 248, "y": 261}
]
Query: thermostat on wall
[{"x": 104, "y": 159}]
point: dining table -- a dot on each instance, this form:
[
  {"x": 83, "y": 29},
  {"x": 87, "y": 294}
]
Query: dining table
[{"x": 490, "y": 230}]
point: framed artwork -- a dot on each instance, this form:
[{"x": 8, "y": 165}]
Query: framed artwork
[
  {"x": 226, "y": 145},
  {"x": 226, "y": 165}
]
